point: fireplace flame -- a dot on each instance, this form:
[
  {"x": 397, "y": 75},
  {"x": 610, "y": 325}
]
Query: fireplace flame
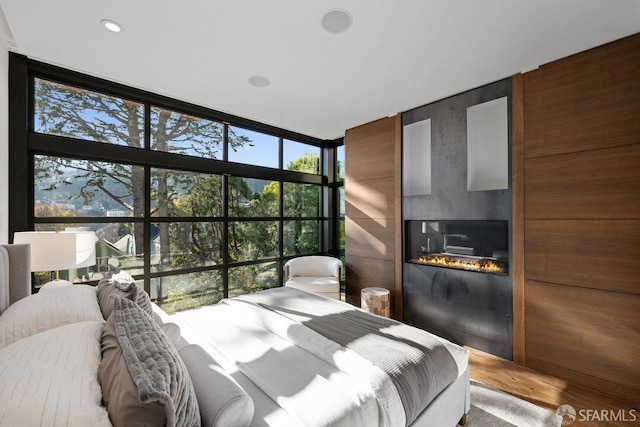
[{"x": 484, "y": 265}]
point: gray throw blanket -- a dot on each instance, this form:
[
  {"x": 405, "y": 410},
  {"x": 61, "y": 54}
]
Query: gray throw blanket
[{"x": 419, "y": 365}]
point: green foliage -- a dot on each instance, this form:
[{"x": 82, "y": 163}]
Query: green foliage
[
  {"x": 254, "y": 232},
  {"x": 309, "y": 163}
]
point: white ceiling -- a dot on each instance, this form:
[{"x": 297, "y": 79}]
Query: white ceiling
[{"x": 397, "y": 54}]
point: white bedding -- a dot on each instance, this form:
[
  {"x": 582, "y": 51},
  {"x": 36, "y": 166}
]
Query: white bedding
[
  {"x": 50, "y": 351},
  {"x": 46, "y": 310},
  {"x": 273, "y": 362},
  {"x": 49, "y": 378}
]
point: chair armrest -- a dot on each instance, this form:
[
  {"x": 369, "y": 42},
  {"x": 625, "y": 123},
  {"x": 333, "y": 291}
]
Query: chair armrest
[
  {"x": 337, "y": 264},
  {"x": 286, "y": 272}
]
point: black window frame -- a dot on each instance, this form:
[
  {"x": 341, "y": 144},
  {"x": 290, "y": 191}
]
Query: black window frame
[{"x": 24, "y": 144}]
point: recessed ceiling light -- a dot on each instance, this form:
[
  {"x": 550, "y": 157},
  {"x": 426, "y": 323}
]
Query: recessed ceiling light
[
  {"x": 259, "y": 81},
  {"x": 111, "y": 25},
  {"x": 336, "y": 21}
]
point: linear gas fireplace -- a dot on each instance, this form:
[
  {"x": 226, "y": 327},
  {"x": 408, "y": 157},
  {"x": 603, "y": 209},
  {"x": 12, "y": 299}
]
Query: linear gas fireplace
[
  {"x": 480, "y": 246},
  {"x": 457, "y": 283}
]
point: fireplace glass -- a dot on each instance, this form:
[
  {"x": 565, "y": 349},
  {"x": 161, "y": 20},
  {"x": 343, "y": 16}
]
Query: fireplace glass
[{"x": 480, "y": 246}]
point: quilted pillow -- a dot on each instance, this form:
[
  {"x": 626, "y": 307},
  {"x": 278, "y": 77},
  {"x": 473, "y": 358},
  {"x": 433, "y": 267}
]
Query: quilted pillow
[
  {"x": 120, "y": 283},
  {"x": 49, "y": 379},
  {"x": 142, "y": 376},
  {"x": 46, "y": 310}
]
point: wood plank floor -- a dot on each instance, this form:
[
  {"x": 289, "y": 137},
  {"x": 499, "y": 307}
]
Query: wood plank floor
[{"x": 550, "y": 392}]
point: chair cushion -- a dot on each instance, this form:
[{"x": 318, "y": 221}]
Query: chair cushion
[
  {"x": 314, "y": 284},
  {"x": 313, "y": 266}
]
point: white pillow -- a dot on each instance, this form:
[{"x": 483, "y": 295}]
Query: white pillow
[
  {"x": 46, "y": 310},
  {"x": 51, "y": 378},
  {"x": 222, "y": 401},
  {"x": 158, "y": 314},
  {"x": 172, "y": 331}
]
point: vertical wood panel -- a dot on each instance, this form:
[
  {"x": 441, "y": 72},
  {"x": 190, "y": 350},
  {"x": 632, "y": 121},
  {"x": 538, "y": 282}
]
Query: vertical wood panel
[
  {"x": 592, "y": 184},
  {"x": 371, "y": 158},
  {"x": 363, "y": 272},
  {"x": 579, "y": 329},
  {"x": 371, "y": 238},
  {"x": 517, "y": 217},
  {"x": 371, "y": 198},
  {"x": 398, "y": 219},
  {"x": 586, "y": 101},
  {"x": 369, "y": 151},
  {"x": 582, "y": 234},
  {"x": 594, "y": 254}
]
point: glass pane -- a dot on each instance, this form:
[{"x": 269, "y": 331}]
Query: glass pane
[
  {"x": 253, "y": 278},
  {"x": 340, "y": 164},
  {"x": 115, "y": 246},
  {"x": 301, "y": 199},
  {"x": 179, "y": 133},
  {"x": 301, "y": 157},
  {"x": 185, "y": 291},
  {"x": 67, "y": 188},
  {"x": 253, "y": 148},
  {"x": 253, "y": 198},
  {"x": 301, "y": 237},
  {"x": 488, "y": 146},
  {"x": 341, "y": 202},
  {"x": 416, "y": 158},
  {"x": 252, "y": 240},
  {"x": 80, "y": 113},
  {"x": 185, "y": 194},
  {"x": 341, "y": 235},
  {"x": 178, "y": 245}
]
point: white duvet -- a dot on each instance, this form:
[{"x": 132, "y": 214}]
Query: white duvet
[{"x": 313, "y": 380}]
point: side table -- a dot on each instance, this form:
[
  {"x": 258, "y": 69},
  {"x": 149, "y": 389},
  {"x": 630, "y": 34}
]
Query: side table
[{"x": 376, "y": 301}]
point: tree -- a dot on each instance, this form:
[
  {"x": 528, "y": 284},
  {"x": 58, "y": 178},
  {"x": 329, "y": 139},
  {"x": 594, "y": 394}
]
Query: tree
[{"x": 79, "y": 113}]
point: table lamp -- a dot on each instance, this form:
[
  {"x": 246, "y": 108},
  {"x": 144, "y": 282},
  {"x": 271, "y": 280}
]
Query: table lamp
[{"x": 59, "y": 250}]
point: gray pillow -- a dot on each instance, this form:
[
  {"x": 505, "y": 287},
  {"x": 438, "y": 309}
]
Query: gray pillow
[
  {"x": 120, "y": 283},
  {"x": 144, "y": 381}
]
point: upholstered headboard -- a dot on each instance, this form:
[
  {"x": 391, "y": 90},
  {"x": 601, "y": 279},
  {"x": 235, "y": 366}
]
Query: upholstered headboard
[{"x": 15, "y": 274}]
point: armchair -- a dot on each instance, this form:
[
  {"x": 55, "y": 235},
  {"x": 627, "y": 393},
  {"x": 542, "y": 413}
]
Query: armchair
[{"x": 317, "y": 274}]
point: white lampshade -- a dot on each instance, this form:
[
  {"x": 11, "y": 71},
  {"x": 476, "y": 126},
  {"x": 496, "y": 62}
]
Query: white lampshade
[{"x": 63, "y": 250}]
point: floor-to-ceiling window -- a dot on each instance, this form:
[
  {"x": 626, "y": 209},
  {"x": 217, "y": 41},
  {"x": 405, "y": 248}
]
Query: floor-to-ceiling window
[
  {"x": 340, "y": 200},
  {"x": 194, "y": 204}
]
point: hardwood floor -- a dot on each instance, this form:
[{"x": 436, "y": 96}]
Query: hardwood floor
[{"x": 550, "y": 392}]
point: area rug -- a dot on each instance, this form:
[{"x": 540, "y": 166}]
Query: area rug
[{"x": 494, "y": 408}]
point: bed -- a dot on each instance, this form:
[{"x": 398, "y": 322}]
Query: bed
[{"x": 106, "y": 355}]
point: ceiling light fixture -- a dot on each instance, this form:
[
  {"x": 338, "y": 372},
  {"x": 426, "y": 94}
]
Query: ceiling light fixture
[
  {"x": 259, "y": 81},
  {"x": 111, "y": 25},
  {"x": 336, "y": 21}
]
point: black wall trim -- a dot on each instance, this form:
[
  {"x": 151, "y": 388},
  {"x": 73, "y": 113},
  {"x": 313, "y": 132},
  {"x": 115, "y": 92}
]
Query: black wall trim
[
  {"x": 20, "y": 192},
  {"x": 64, "y": 146}
]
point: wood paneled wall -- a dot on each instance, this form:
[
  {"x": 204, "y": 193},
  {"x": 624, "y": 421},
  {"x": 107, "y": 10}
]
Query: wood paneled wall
[
  {"x": 582, "y": 218},
  {"x": 372, "y": 211}
]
